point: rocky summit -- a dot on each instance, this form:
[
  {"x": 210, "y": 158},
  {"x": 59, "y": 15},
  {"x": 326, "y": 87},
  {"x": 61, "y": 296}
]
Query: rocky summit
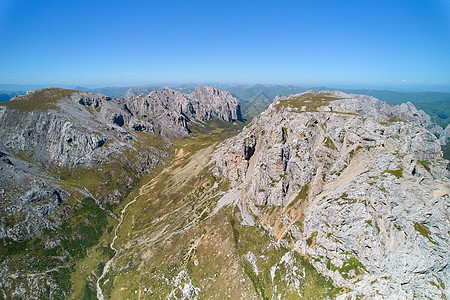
[{"x": 324, "y": 195}]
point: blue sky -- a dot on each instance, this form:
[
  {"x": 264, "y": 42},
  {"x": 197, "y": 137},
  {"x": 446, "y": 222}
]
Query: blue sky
[{"x": 396, "y": 43}]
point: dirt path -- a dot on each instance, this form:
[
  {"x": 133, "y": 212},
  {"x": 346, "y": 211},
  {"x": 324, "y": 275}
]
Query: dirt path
[
  {"x": 193, "y": 168},
  {"x": 122, "y": 214}
]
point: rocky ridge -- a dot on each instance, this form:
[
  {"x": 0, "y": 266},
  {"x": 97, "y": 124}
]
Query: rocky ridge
[
  {"x": 169, "y": 111},
  {"x": 352, "y": 183},
  {"x": 66, "y": 127}
]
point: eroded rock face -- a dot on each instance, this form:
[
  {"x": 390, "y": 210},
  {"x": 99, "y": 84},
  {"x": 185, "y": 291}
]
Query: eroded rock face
[
  {"x": 72, "y": 133},
  {"x": 406, "y": 111},
  {"x": 83, "y": 128},
  {"x": 335, "y": 178},
  {"x": 169, "y": 111}
]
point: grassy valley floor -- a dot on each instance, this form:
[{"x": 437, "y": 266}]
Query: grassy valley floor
[{"x": 171, "y": 245}]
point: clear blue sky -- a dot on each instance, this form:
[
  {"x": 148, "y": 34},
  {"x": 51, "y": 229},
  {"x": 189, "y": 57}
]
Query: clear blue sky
[{"x": 371, "y": 43}]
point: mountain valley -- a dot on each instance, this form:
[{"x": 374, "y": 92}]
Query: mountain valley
[{"x": 173, "y": 195}]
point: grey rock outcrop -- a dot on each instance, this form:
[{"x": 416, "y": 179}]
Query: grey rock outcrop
[
  {"x": 83, "y": 128},
  {"x": 27, "y": 198},
  {"x": 73, "y": 133},
  {"x": 169, "y": 111},
  {"x": 46, "y": 132},
  {"x": 406, "y": 111},
  {"x": 336, "y": 178}
]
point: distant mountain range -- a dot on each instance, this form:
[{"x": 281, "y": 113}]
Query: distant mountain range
[{"x": 257, "y": 97}]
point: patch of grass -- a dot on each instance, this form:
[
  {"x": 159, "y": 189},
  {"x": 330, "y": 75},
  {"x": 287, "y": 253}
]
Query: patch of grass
[
  {"x": 352, "y": 264},
  {"x": 62, "y": 279},
  {"x": 424, "y": 230},
  {"x": 39, "y": 100},
  {"x": 43, "y": 258},
  {"x": 344, "y": 199},
  {"x": 257, "y": 282},
  {"x": 303, "y": 192},
  {"x": 209, "y": 132},
  {"x": 352, "y": 153},
  {"x": 329, "y": 144},
  {"x": 310, "y": 101},
  {"x": 441, "y": 283},
  {"x": 313, "y": 285},
  {"x": 392, "y": 120},
  {"x": 301, "y": 196},
  {"x": 425, "y": 164},
  {"x": 316, "y": 286},
  {"x": 86, "y": 270},
  {"x": 90, "y": 292},
  {"x": 397, "y": 173},
  {"x": 84, "y": 228},
  {"x": 76, "y": 235},
  {"x": 312, "y": 239}
]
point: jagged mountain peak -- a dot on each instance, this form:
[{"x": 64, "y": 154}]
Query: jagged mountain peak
[{"x": 169, "y": 111}]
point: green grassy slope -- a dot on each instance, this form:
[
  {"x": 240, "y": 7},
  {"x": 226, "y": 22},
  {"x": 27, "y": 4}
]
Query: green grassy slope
[{"x": 169, "y": 239}]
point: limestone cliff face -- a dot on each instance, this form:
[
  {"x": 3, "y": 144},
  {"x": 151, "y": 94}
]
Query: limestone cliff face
[
  {"x": 338, "y": 179},
  {"x": 80, "y": 128},
  {"x": 73, "y": 131},
  {"x": 169, "y": 111}
]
